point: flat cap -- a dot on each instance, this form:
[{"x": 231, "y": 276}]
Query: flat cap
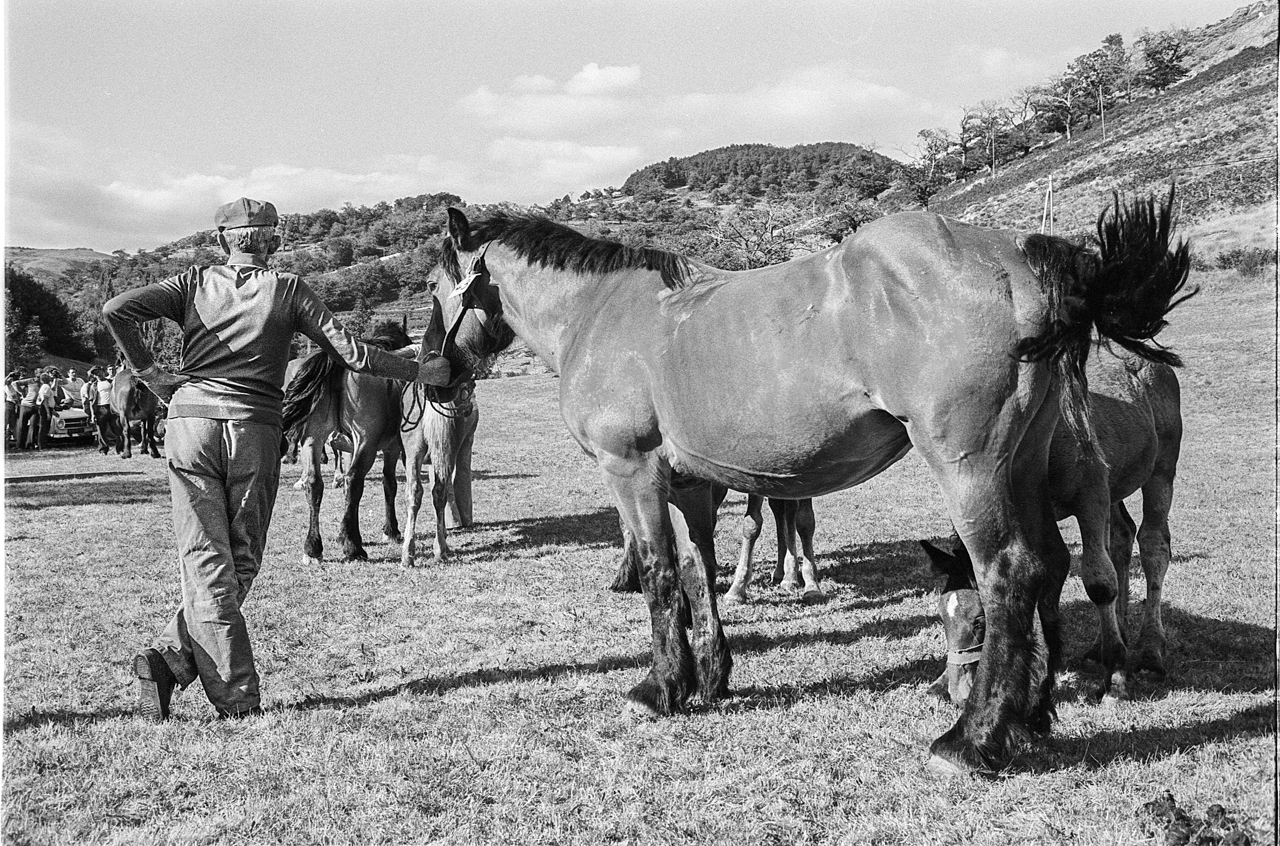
[{"x": 245, "y": 212}]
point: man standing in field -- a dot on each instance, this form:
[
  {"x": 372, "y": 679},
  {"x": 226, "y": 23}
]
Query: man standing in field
[{"x": 223, "y": 440}]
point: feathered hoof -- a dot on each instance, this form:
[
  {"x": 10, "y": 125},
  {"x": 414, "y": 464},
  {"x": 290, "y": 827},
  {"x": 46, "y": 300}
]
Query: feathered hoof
[{"x": 944, "y": 768}]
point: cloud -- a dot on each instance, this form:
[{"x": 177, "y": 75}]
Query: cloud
[
  {"x": 538, "y": 106},
  {"x": 1011, "y": 70},
  {"x": 593, "y": 79}
]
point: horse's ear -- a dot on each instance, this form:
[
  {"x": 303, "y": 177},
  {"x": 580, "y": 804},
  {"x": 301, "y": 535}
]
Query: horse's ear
[
  {"x": 943, "y": 563},
  {"x": 433, "y": 337},
  {"x": 459, "y": 229}
]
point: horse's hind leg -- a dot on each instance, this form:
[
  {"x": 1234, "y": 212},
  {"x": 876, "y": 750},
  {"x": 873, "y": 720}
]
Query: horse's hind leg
[
  {"x": 150, "y": 425},
  {"x": 1093, "y": 509},
  {"x": 349, "y": 534},
  {"x": 1154, "y": 550},
  {"x": 786, "y": 571},
  {"x": 751, "y": 526},
  {"x": 390, "y": 526},
  {"x": 804, "y": 525},
  {"x": 440, "y": 476}
]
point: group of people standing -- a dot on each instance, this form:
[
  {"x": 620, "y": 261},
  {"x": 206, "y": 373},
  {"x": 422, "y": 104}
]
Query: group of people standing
[{"x": 31, "y": 400}]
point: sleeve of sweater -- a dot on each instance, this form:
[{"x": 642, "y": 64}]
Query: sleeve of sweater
[
  {"x": 124, "y": 312},
  {"x": 314, "y": 320}
]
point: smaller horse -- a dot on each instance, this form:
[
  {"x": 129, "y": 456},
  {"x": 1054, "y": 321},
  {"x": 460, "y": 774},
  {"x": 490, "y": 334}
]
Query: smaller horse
[
  {"x": 441, "y": 430},
  {"x": 1135, "y": 409},
  {"x": 795, "y": 569},
  {"x": 130, "y": 401},
  {"x": 324, "y": 398}
]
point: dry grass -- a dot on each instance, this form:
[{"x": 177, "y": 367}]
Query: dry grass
[{"x": 478, "y": 702}]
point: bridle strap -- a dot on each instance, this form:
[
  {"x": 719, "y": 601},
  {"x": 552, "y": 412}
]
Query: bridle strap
[{"x": 968, "y": 655}]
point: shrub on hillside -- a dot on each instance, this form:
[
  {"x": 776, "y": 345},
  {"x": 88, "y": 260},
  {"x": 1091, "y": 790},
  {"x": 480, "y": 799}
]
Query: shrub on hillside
[{"x": 1247, "y": 261}]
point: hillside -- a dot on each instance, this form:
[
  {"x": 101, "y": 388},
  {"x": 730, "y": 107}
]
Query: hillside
[
  {"x": 52, "y": 265},
  {"x": 747, "y": 205},
  {"x": 1214, "y": 134}
]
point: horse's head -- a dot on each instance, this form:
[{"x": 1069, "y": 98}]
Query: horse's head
[
  {"x": 467, "y": 286},
  {"x": 963, "y": 620}
]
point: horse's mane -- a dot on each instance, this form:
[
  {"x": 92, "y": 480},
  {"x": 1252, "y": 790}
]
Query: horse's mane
[
  {"x": 550, "y": 244},
  {"x": 387, "y": 335}
]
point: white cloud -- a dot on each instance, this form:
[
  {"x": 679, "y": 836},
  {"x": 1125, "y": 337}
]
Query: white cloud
[
  {"x": 1008, "y": 69},
  {"x": 593, "y": 79}
]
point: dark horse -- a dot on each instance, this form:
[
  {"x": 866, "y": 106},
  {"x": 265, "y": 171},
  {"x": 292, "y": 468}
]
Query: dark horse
[
  {"x": 130, "y": 401},
  {"x": 808, "y": 377},
  {"x": 1136, "y": 411},
  {"x": 324, "y": 397}
]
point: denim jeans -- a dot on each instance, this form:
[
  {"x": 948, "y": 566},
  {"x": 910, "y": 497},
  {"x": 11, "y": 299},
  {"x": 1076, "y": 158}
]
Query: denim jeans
[{"x": 223, "y": 476}]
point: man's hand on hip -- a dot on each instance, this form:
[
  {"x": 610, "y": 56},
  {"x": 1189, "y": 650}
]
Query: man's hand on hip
[{"x": 161, "y": 382}]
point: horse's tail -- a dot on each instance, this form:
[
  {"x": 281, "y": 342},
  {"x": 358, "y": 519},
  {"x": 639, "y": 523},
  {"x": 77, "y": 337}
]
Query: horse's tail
[
  {"x": 1125, "y": 292},
  {"x": 306, "y": 390}
]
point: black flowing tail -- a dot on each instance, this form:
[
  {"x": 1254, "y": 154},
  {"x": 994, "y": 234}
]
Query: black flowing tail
[
  {"x": 1125, "y": 291},
  {"x": 305, "y": 391}
]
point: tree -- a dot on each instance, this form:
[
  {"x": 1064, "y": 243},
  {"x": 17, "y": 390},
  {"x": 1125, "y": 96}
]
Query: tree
[
  {"x": 1062, "y": 102},
  {"x": 23, "y": 338},
  {"x": 1163, "y": 55},
  {"x": 31, "y": 304},
  {"x": 1102, "y": 73},
  {"x": 357, "y": 322}
]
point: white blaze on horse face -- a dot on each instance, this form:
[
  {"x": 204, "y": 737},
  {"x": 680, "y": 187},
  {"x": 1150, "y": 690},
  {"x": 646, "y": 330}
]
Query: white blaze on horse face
[{"x": 953, "y": 604}]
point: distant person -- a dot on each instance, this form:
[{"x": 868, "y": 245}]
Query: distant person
[
  {"x": 13, "y": 390},
  {"x": 223, "y": 440},
  {"x": 102, "y": 416},
  {"x": 73, "y": 385},
  {"x": 46, "y": 404},
  {"x": 29, "y": 414}
]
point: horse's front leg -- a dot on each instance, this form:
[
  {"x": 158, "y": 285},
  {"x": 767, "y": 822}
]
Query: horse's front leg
[
  {"x": 693, "y": 521},
  {"x": 415, "y": 452},
  {"x": 638, "y": 488},
  {"x": 390, "y": 526},
  {"x": 150, "y": 429},
  {"x": 313, "y": 484},
  {"x": 127, "y": 439},
  {"x": 441, "y": 471}
]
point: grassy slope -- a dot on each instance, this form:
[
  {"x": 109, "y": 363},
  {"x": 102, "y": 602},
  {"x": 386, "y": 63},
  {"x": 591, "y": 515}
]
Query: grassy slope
[
  {"x": 479, "y": 701},
  {"x": 1226, "y": 114}
]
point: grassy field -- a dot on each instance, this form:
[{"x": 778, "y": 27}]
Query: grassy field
[{"x": 479, "y": 702}]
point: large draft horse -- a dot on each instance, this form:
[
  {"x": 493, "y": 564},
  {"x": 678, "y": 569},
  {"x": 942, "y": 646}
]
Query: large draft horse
[
  {"x": 323, "y": 398},
  {"x": 1135, "y": 408},
  {"x": 808, "y": 377}
]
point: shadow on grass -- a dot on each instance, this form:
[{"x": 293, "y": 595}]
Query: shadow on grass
[
  {"x": 597, "y": 528},
  {"x": 62, "y": 494},
  {"x": 475, "y": 678},
  {"x": 482, "y": 476},
  {"x": 898, "y": 629}
]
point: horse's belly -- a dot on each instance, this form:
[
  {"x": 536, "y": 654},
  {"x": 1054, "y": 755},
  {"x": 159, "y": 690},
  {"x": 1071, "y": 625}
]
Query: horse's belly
[{"x": 803, "y": 459}]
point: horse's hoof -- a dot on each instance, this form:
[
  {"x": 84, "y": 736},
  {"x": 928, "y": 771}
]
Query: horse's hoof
[
  {"x": 792, "y": 584},
  {"x": 1151, "y": 663},
  {"x": 394, "y": 540},
  {"x": 940, "y": 767},
  {"x": 312, "y": 561},
  {"x": 735, "y": 597},
  {"x": 813, "y": 596},
  {"x": 300, "y": 484},
  {"x": 639, "y": 711}
]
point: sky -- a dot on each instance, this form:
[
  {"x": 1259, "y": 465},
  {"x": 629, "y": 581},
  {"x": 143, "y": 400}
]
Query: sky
[{"x": 129, "y": 122}]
